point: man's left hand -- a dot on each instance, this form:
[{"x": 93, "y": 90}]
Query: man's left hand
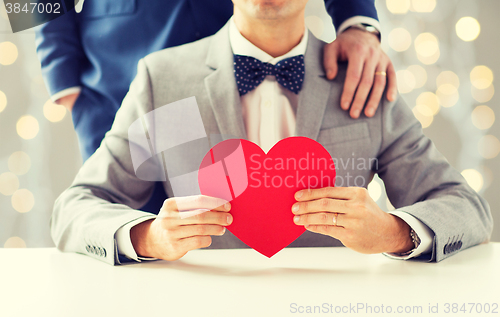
[
  {"x": 365, "y": 58},
  {"x": 361, "y": 224}
]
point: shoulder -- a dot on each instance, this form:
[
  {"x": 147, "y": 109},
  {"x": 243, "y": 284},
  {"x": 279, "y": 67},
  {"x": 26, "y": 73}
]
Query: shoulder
[{"x": 183, "y": 58}]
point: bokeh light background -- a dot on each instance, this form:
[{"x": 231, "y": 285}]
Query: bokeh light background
[{"x": 445, "y": 53}]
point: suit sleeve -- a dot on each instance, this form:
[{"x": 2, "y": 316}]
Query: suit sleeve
[
  {"x": 342, "y": 10},
  {"x": 60, "y": 52},
  {"x": 106, "y": 192},
  {"x": 421, "y": 182}
]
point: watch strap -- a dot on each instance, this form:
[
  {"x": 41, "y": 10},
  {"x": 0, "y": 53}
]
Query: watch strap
[
  {"x": 416, "y": 242},
  {"x": 367, "y": 28}
]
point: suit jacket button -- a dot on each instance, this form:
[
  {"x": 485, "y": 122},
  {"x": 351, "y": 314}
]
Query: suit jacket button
[
  {"x": 104, "y": 252},
  {"x": 459, "y": 244},
  {"x": 445, "y": 249},
  {"x": 453, "y": 247}
]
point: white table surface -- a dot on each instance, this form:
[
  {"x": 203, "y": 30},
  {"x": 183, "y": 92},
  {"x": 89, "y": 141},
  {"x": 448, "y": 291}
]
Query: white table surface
[{"x": 46, "y": 282}]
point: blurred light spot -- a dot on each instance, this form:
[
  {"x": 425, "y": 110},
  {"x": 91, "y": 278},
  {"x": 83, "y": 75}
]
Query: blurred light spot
[
  {"x": 14, "y": 242},
  {"x": 423, "y": 5},
  {"x": 420, "y": 75},
  {"x": 8, "y": 53},
  {"x": 468, "y": 29},
  {"x": 53, "y": 112},
  {"x": 406, "y": 81},
  {"x": 481, "y": 77},
  {"x": 398, "y": 6},
  {"x": 3, "y": 101},
  {"x": 389, "y": 205},
  {"x": 430, "y": 100},
  {"x": 374, "y": 190},
  {"x": 473, "y": 178},
  {"x": 447, "y": 95},
  {"x": 27, "y": 127},
  {"x": 489, "y": 146},
  {"x": 315, "y": 24},
  {"x": 23, "y": 200},
  {"x": 423, "y": 114},
  {"x": 9, "y": 183},
  {"x": 448, "y": 78},
  {"x": 427, "y": 48},
  {"x": 19, "y": 163},
  {"x": 483, "y": 95},
  {"x": 399, "y": 39},
  {"x": 483, "y": 117},
  {"x": 447, "y": 89}
]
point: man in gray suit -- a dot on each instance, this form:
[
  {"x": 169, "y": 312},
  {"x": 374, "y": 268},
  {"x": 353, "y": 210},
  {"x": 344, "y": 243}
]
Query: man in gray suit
[{"x": 436, "y": 214}]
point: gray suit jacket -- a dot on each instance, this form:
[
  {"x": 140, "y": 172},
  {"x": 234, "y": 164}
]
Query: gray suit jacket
[{"x": 106, "y": 192}]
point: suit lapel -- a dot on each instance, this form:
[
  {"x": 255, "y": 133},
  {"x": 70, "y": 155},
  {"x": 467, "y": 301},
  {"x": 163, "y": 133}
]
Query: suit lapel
[
  {"x": 315, "y": 92},
  {"x": 221, "y": 87}
]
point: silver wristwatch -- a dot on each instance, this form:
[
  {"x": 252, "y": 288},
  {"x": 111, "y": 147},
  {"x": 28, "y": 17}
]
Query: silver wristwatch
[
  {"x": 367, "y": 28},
  {"x": 416, "y": 242}
]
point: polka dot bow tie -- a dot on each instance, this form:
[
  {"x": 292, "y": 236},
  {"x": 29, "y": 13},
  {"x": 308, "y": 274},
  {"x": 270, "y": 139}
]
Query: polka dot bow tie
[{"x": 250, "y": 72}]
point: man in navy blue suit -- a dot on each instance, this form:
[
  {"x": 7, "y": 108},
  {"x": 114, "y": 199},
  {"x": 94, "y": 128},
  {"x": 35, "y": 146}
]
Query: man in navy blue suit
[{"x": 89, "y": 58}]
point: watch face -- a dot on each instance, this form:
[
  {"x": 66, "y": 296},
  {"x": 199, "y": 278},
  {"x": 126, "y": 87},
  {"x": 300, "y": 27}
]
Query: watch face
[
  {"x": 415, "y": 238},
  {"x": 368, "y": 28}
]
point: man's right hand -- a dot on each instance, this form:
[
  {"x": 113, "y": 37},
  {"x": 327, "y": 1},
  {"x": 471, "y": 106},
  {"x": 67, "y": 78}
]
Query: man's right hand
[
  {"x": 170, "y": 236},
  {"x": 68, "y": 101}
]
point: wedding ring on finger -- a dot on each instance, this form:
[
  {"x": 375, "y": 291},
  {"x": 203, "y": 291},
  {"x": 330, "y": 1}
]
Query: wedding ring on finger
[
  {"x": 381, "y": 73},
  {"x": 335, "y": 216}
]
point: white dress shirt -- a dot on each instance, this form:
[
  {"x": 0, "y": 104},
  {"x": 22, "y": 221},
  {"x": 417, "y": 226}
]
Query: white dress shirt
[{"x": 269, "y": 116}]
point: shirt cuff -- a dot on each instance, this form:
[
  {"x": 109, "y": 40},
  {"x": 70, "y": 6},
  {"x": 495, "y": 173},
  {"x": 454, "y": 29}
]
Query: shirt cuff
[
  {"x": 424, "y": 233},
  {"x": 124, "y": 243},
  {"x": 65, "y": 92},
  {"x": 357, "y": 20}
]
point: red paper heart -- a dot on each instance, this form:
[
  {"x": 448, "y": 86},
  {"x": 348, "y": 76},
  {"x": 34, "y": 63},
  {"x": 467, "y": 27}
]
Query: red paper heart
[{"x": 261, "y": 187}]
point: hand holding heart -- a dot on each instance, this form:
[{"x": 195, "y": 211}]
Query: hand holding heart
[
  {"x": 361, "y": 224},
  {"x": 171, "y": 235}
]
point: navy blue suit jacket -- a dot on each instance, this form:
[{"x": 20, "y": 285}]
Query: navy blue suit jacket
[{"x": 99, "y": 48}]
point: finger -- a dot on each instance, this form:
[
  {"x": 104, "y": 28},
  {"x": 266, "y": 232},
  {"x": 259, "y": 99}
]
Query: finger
[
  {"x": 330, "y": 59},
  {"x": 197, "y": 202},
  {"x": 321, "y": 218},
  {"x": 364, "y": 87},
  {"x": 320, "y": 205},
  {"x": 327, "y": 192},
  {"x": 193, "y": 243},
  {"x": 208, "y": 218},
  {"x": 198, "y": 230},
  {"x": 376, "y": 93},
  {"x": 353, "y": 76},
  {"x": 392, "y": 89},
  {"x": 332, "y": 231}
]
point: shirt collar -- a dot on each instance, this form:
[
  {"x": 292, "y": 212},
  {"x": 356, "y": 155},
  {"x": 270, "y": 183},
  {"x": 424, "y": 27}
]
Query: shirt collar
[{"x": 241, "y": 46}]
